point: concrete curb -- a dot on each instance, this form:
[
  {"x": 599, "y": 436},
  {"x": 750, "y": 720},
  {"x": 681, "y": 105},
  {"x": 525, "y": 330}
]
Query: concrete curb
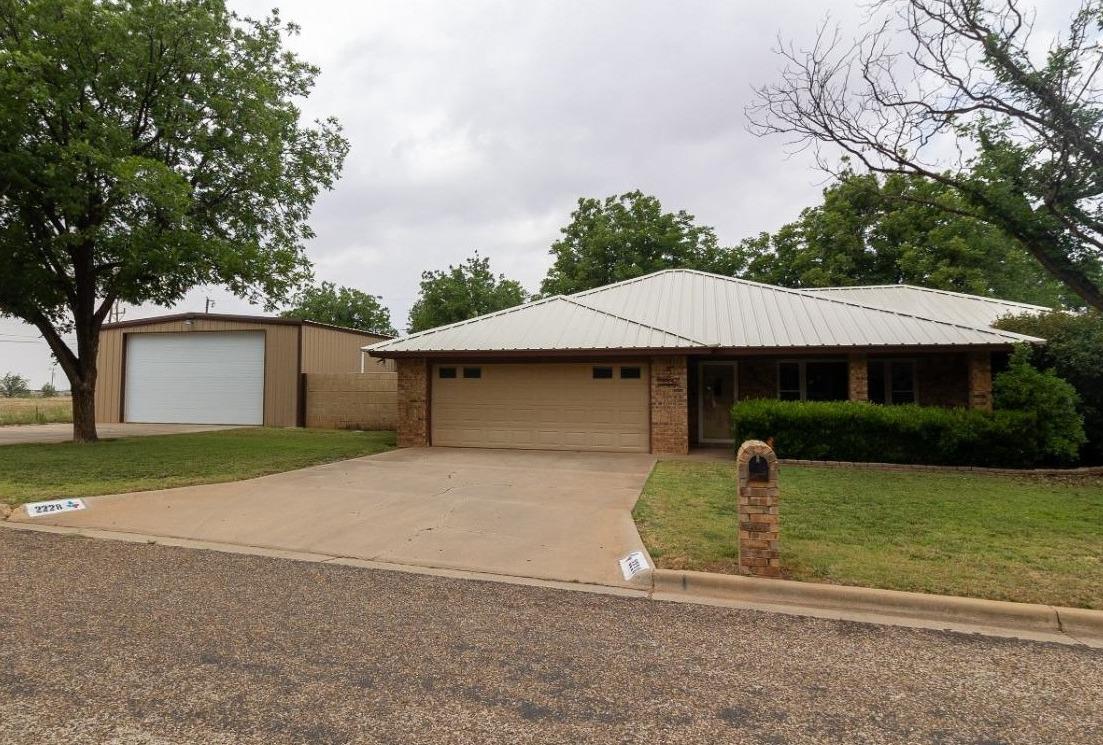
[{"x": 1079, "y": 623}]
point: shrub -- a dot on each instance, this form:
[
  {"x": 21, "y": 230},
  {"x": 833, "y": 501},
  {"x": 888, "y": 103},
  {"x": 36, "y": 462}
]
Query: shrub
[
  {"x": 1074, "y": 351},
  {"x": 851, "y": 431},
  {"x": 48, "y": 390},
  {"x": 14, "y": 386},
  {"x": 1022, "y": 387}
]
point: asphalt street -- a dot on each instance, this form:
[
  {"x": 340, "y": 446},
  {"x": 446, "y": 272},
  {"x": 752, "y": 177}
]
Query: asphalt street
[{"x": 110, "y": 642}]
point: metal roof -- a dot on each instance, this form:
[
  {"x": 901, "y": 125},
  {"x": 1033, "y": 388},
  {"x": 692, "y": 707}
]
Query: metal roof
[
  {"x": 686, "y": 309},
  {"x": 939, "y": 304}
]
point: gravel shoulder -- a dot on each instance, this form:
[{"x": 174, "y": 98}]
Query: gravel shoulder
[{"x": 105, "y": 641}]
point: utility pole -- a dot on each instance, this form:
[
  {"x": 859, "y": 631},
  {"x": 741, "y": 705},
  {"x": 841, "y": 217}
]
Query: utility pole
[
  {"x": 116, "y": 313},
  {"x": 209, "y": 304}
]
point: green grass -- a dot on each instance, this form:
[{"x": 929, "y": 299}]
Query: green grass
[
  {"x": 1027, "y": 539},
  {"x": 48, "y": 471},
  {"x": 35, "y": 410}
]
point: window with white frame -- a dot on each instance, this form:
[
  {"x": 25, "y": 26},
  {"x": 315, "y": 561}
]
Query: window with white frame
[{"x": 813, "y": 380}]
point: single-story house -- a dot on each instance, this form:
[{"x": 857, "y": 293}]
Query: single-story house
[
  {"x": 207, "y": 368},
  {"x": 654, "y": 364}
]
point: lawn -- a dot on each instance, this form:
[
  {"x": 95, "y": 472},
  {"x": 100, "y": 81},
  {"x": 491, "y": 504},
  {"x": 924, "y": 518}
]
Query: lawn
[
  {"x": 1028, "y": 539},
  {"x": 48, "y": 471},
  {"x": 35, "y": 410}
]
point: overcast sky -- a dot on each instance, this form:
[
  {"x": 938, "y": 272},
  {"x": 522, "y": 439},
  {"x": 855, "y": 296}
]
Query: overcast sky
[{"x": 478, "y": 125}]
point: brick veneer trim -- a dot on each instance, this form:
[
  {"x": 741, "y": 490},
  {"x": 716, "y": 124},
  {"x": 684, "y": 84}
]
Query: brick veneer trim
[
  {"x": 413, "y": 402},
  {"x": 669, "y": 406}
]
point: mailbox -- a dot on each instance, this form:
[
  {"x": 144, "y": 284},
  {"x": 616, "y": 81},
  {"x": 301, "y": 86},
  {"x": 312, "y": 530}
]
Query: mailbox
[{"x": 759, "y": 529}]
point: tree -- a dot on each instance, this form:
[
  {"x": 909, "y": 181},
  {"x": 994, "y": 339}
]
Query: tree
[
  {"x": 48, "y": 390},
  {"x": 882, "y": 230},
  {"x": 627, "y": 236},
  {"x": 341, "y": 306},
  {"x": 147, "y": 147},
  {"x": 13, "y": 385},
  {"x": 1074, "y": 351},
  {"x": 957, "y": 91},
  {"x": 462, "y": 292}
]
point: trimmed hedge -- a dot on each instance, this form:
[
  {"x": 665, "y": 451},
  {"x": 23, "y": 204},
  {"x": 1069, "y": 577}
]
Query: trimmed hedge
[{"x": 861, "y": 432}]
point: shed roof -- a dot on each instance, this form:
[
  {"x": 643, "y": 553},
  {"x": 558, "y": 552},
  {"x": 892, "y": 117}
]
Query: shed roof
[
  {"x": 259, "y": 320},
  {"x": 687, "y": 309},
  {"x": 940, "y": 304}
]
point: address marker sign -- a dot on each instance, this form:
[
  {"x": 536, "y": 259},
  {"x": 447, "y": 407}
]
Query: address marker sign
[
  {"x": 53, "y": 506},
  {"x": 633, "y": 564}
]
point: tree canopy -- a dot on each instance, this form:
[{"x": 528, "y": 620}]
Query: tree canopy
[
  {"x": 959, "y": 92},
  {"x": 341, "y": 306},
  {"x": 883, "y": 230},
  {"x": 626, "y": 236},
  {"x": 464, "y": 291},
  {"x": 146, "y": 148}
]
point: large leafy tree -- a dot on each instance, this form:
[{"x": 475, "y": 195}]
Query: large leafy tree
[
  {"x": 957, "y": 91},
  {"x": 341, "y": 306},
  {"x": 146, "y": 147},
  {"x": 464, "y": 291},
  {"x": 626, "y": 236},
  {"x": 872, "y": 230}
]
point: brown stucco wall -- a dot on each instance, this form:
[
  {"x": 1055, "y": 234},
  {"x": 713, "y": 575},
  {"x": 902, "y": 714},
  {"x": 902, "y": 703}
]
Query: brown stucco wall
[{"x": 352, "y": 400}]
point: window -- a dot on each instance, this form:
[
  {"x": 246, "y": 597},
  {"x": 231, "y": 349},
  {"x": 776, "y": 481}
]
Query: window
[
  {"x": 446, "y": 373},
  {"x": 892, "y": 381},
  {"x": 472, "y": 372},
  {"x": 603, "y": 373},
  {"x": 813, "y": 380},
  {"x": 630, "y": 373}
]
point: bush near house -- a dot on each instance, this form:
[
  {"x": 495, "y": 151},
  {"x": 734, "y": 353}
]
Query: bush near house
[
  {"x": 1074, "y": 351},
  {"x": 861, "y": 432},
  {"x": 1059, "y": 427}
]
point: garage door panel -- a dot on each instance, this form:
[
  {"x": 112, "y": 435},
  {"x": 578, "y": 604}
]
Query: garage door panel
[
  {"x": 195, "y": 378},
  {"x": 547, "y": 406}
]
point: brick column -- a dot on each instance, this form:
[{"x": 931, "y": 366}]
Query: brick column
[
  {"x": 669, "y": 406},
  {"x": 413, "y": 402},
  {"x": 859, "y": 376},
  {"x": 980, "y": 380},
  {"x": 759, "y": 528}
]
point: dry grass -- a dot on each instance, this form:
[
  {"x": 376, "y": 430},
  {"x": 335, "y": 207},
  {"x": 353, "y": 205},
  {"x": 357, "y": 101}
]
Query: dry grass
[{"x": 35, "y": 410}]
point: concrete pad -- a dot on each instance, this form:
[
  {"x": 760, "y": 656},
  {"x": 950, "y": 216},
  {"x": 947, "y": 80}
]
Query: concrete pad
[
  {"x": 31, "y": 433},
  {"x": 559, "y": 516}
]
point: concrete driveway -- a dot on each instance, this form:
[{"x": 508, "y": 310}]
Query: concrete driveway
[
  {"x": 548, "y": 515},
  {"x": 24, "y": 433}
]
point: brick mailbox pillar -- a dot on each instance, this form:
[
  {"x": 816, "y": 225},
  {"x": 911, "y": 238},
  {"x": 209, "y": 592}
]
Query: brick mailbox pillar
[{"x": 756, "y": 471}]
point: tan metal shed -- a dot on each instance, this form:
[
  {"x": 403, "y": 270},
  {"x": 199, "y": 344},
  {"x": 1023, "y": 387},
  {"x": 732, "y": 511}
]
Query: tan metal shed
[{"x": 290, "y": 348}]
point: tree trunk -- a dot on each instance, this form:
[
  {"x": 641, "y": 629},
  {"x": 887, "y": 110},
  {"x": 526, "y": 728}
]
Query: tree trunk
[{"x": 84, "y": 410}]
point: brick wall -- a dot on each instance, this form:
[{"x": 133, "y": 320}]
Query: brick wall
[
  {"x": 669, "y": 405},
  {"x": 759, "y": 521},
  {"x": 858, "y": 376},
  {"x": 352, "y": 400},
  {"x": 942, "y": 380},
  {"x": 413, "y": 402}
]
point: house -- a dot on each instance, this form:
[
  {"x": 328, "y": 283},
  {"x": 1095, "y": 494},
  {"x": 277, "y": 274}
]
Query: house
[
  {"x": 654, "y": 364},
  {"x": 207, "y": 368}
]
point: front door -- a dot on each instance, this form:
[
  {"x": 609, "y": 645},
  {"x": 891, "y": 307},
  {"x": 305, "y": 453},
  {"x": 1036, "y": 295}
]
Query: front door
[{"x": 716, "y": 398}]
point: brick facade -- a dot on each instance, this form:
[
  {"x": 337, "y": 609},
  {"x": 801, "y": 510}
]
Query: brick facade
[
  {"x": 759, "y": 521},
  {"x": 980, "y": 380},
  {"x": 351, "y": 400},
  {"x": 413, "y": 402},
  {"x": 858, "y": 376},
  {"x": 669, "y": 405}
]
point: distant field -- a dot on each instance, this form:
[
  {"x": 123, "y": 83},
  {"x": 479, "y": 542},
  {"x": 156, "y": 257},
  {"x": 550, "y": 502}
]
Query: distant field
[{"x": 35, "y": 410}]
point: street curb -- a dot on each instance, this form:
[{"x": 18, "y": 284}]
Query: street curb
[{"x": 1079, "y": 623}]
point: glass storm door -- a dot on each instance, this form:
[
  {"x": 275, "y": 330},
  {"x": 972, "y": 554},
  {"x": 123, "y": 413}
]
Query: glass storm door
[{"x": 717, "y": 395}]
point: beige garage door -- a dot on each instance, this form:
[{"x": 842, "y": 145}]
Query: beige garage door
[{"x": 560, "y": 406}]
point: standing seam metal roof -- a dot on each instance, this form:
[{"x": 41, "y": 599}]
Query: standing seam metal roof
[{"x": 685, "y": 309}]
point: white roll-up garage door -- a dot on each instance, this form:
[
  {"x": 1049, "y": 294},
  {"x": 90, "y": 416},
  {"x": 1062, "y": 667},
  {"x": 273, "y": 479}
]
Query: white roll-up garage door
[
  {"x": 554, "y": 406},
  {"x": 198, "y": 377}
]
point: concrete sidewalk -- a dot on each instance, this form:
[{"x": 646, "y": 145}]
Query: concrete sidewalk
[
  {"x": 561, "y": 516},
  {"x": 29, "y": 433}
]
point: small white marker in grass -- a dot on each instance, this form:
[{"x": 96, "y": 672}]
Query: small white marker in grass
[
  {"x": 633, "y": 564},
  {"x": 53, "y": 506}
]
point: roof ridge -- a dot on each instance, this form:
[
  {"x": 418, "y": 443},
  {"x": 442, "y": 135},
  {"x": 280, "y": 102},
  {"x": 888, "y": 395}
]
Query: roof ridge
[
  {"x": 457, "y": 324},
  {"x": 802, "y": 293},
  {"x": 639, "y": 323},
  {"x": 933, "y": 291}
]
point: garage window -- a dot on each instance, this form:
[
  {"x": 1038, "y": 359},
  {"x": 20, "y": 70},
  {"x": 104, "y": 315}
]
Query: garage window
[
  {"x": 630, "y": 373},
  {"x": 472, "y": 372},
  {"x": 603, "y": 373},
  {"x": 446, "y": 373}
]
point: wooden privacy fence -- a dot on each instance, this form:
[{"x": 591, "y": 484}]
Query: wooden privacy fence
[{"x": 366, "y": 400}]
